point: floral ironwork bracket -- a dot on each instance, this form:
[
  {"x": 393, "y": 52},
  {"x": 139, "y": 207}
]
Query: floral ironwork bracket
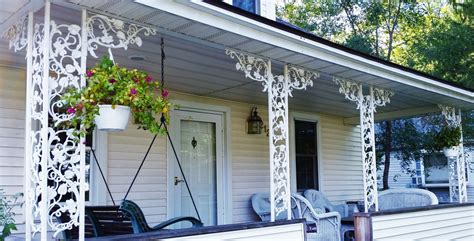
[
  {"x": 17, "y": 34},
  {"x": 253, "y": 67},
  {"x": 113, "y": 33},
  {"x": 299, "y": 78}
]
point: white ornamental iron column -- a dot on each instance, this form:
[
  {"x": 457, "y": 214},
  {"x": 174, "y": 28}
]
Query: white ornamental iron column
[
  {"x": 55, "y": 182},
  {"x": 54, "y": 163},
  {"x": 457, "y": 165},
  {"x": 279, "y": 88},
  {"x": 367, "y": 105}
]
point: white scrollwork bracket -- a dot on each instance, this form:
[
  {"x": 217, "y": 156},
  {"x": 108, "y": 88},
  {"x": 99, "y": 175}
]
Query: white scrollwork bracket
[
  {"x": 17, "y": 34},
  {"x": 113, "y": 33},
  {"x": 350, "y": 90},
  {"x": 299, "y": 79},
  {"x": 253, "y": 67},
  {"x": 450, "y": 116},
  {"x": 367, "y": 105},
  {"x": 381, "y": 97}
]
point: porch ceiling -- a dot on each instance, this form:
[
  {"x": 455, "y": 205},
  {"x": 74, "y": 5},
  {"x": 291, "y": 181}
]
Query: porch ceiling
[{"x": 196, "y": 63}]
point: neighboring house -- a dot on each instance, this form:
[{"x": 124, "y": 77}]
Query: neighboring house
[
  {"x": 434, "y": 178},
  {"x": 217, "y": 59}
]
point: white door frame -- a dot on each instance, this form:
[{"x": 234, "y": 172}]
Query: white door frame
[{"x": 223, "y": 173}]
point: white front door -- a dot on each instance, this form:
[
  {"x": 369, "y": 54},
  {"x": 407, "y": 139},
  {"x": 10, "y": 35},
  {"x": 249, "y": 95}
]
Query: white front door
[{"x": 198, "y": 142}]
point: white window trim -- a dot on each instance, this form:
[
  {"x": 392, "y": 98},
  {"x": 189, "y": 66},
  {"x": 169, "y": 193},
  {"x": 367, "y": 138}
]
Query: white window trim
[
  {"x": 226, "y": 196},
  {"x": 304, "y": 117}
]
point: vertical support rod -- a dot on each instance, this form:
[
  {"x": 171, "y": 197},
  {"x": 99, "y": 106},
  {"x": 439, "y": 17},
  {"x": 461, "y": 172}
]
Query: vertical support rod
[
  {"x": 44, "y": 123},
  {"x": 82, "y": 162},
  {"x": 28, "y": 145},
  {"x": 373, "y": 166},
  {"x": 272, "y": 148},
  {"x": 362, "y": 141},
  {"x": 461, "y": 163},
  {"x": 287, "y": 143}
]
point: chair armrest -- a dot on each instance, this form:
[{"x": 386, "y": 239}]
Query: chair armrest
[
  {"x": 328, "y": 215},
  {"x": 194, "y": 221}
]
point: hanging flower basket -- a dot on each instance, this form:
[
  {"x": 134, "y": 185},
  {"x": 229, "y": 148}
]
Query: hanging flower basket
[
  {"x": 112, "y": 118},
  {"x": 452, "y": 151},
  {"x": 448, "y": 139},
  {"x": 111, "y": 94}
]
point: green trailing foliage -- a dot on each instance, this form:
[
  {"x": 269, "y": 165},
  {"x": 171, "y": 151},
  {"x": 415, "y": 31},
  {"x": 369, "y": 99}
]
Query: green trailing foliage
[
  {"x": 7, "y": 216},
  {"x": 448, "y": 136},
  {"x": 110, "y": 84}
]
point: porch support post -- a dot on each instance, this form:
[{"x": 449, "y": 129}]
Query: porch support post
[
  {"x": 82, "y": 151},
  {"x": 22, "y": 35},
  {"x": 367, "y": 105},
  {"x": 43, "y": 175},
  {"x": 28, "y": 145},
  {"x": 457, "y": 165},
  {"x": 279, "y": 88}
]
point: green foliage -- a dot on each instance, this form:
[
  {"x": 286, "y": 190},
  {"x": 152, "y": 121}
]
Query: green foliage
[
  {"x": 431, "y": 36},
  {"x": 447, "y": 137},
  {"x": 408, "y": 141},
  {"x": 7, "y": 221},
  {"x": 111, "y": 84}
]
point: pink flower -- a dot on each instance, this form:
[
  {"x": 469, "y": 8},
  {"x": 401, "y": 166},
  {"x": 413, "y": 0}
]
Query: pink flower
[
  {"x": 89, "y": 73},
  {"x": 165, "y": 93},
  {"x": 148, "y": 79},
  {"x": 71, "y": 110},
  {"x": 112, "y": 81},
  {"x": 133, "y": 91}
]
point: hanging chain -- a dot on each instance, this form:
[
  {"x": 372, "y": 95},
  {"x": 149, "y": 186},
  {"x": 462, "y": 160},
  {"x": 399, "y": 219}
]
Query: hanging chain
[{"x": 162, "y": 64}]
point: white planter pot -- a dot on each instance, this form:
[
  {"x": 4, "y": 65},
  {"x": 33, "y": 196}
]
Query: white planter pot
[
  {"x": 452, "y": 151},
  {"x": 112, "y": 119}
]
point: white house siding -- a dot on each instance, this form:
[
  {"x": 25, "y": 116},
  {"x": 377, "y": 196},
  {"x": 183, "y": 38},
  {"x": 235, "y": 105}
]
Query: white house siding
[
  {"x": 341, "y": 169},
  {"x": 396, "y": 177},
  {"x": 125, "y": 152},
  {"x": 455, "y": 223},
  {"x": 12, "y": 125}
]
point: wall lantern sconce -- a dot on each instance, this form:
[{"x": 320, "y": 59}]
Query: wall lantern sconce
[{"x": 255, "y": 123}]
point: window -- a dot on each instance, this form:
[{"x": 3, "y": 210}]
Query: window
[
  {"x": 417, "y": 178},
  {"x": 247, "y": 5},
  {"x": 306, "y": 155}
]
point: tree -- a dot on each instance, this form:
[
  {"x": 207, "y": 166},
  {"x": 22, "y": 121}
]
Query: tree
[{"x": 429, "y": 36}]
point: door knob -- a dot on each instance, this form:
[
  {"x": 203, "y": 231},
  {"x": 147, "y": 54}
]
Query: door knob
[{"x": 177, "y": 180}]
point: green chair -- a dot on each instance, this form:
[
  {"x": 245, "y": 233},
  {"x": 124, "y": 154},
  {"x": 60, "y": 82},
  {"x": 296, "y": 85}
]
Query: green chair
[{"x": 139, "y": 224}]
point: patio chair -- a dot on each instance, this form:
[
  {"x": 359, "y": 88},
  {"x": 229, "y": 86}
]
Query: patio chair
[
  {"x": 405, "y": 198},
  {"x": 319, "y": 201},
  {"x": 319, "y": 226},
  {"x": 139, "y": 224}
]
